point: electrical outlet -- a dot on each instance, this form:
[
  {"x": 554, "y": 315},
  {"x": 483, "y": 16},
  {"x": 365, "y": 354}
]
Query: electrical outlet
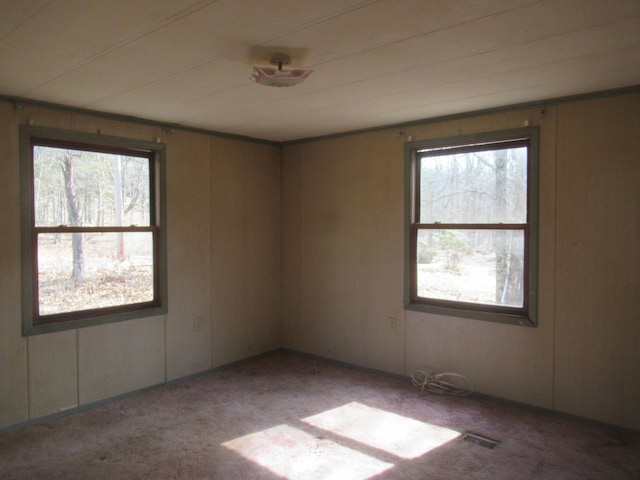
[
  {"x": 197, "y": 323},
  {"x": 393, "y": 323}
]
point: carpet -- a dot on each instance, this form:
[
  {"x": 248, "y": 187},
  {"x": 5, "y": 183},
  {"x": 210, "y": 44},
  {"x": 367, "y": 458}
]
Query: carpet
[{"x": 290, "y": 416}]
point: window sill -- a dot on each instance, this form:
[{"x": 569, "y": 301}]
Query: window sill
[
  {"x": 60, "y": 326},
  {"x": 509, "y": 319}
]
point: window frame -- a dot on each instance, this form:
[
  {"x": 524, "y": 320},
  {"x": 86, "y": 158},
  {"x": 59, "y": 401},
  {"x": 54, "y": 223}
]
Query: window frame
[
  {"x": 30, "y": 137},
  {"x": 527, "y": 315}
]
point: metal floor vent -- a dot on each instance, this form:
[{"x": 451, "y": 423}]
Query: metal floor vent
[{"x": 480, "y": 440}]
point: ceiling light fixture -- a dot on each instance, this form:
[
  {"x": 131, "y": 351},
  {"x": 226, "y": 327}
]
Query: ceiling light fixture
[{"x": 272, "y": 77}]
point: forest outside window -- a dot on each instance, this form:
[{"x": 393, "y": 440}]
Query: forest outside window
[
  {"x": 93, "y": 230},
  {"x": 471, "y": 216}
]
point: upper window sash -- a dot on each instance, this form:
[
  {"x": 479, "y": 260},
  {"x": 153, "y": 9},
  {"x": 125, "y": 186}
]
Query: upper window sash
[
  {"x": 95, "y": 168},
  {"x": 430, "y": 205}
]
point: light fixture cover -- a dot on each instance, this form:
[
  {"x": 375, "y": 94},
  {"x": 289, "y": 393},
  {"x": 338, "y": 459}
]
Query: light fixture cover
[{"x": 272, "y": 77}]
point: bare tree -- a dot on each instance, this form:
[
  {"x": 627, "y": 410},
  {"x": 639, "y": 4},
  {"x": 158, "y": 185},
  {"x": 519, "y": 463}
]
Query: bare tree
[
  {"x": 117, "y": 200},
  {"x": 501, "y": 246},
  {"x": 73, "y": 210}
]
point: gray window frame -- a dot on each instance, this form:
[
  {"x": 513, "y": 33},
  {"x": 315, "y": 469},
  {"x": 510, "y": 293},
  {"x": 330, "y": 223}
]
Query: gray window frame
[
  {"x": 31, "y": 136},
  {"x": 526, "y": 316}
]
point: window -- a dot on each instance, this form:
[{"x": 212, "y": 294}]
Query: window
[
  {"x": 471, "y": 226},
  {"x": 93, "y": 229}
]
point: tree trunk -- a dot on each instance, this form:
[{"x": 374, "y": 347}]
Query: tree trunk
[
  {"x": 73, "y": 209},
  {"x": 117, "y": 200},
  {"x": 501, "y": 244}
]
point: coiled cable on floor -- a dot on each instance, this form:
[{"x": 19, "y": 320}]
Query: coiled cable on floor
[{"x": 441, "y": 383}]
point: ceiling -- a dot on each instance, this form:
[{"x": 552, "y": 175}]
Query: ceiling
[{"x": 376, "y": 62}]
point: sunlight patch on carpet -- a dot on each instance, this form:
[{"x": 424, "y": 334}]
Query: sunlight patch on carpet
[
  {"x": 297, "y": 455},
  {"x": 401, "y": 436}
]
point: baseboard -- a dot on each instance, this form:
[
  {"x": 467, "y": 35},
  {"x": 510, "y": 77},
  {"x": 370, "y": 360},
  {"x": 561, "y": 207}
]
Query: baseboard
[{"x": 122, "y": 396}]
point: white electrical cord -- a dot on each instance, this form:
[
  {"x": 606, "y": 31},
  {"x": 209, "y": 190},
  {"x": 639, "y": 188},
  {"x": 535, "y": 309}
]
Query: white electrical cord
[{"x": 441, "y": 383}]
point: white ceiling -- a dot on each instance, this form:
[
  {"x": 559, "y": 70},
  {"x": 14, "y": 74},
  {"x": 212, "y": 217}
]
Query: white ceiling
[{"x": 375, "y": 62}]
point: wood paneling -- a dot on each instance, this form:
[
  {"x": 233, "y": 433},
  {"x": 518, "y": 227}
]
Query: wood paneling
[
  {"x": 342, "y": 249},
  {"x": 53, "y": 373},
  {"x": 189, "y": 247},
  {"x": 245, "y": 249},
  {"x": 598, "y": 287},
  {"x": 505, "y": 361},
  {"x": 13, "y": 348},
  {"x": 343, "y": 259},
  {"x": 338, "y": 220},
  {"x": 117, "y": 358},
  {"x": 115, "y": 128}
]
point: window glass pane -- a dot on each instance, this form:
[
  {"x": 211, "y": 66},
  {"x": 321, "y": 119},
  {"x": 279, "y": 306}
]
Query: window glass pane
[
  {"x": 474, "y": 187},
  {"x": 473, "y": 266},
  {"x": 83, "y": 271},
  {"x": 82, "y": 188}
]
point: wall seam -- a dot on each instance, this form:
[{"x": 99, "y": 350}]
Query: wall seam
[
  {"x": 210, "y": 207},
  {"x": 556, "y": 151},
  {"x": 28, "y": 371},
  {"x": 77, "y": 367},
  {"x": 281, "y": 334}
]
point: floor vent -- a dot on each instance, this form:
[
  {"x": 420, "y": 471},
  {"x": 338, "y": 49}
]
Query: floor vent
[{"x": 480, "y": 440}]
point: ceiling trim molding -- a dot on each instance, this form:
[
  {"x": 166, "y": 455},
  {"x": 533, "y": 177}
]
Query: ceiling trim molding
[
  {"x": 474, "y": 113},
  {"x": 424, "y": 121},
  {"x": 133, "y": 119}
]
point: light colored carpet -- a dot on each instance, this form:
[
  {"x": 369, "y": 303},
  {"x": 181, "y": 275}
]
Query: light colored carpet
[{"x": 287, "y": 416}]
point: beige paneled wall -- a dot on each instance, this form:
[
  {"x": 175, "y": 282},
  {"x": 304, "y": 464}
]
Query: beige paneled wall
[
  {"x": 597, "y": 340},
  {"x": 189, "y": 246},
  {"x": 224, "y": 295},
  {"x": 245, "y": 253},
  {"x": 302, "y": 247},
  {"x": 506, "y": 361},
  {"x": 117, "y": 358},
  {"x": 343, "y": 265},
  {"x": 343, "y": 251},
  {"x": 53, "y": 373},
  {"x": 14, "y": 398}
]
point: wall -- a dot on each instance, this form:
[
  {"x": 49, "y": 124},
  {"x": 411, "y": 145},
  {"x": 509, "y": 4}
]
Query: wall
[
  {"x": 335, "y": 234},
  {"x": 343, "y": 257},
  {"x": 597, "y": 341},
  {"x": 245, "y": 238},
  {"x": 223, "y": 220}
]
